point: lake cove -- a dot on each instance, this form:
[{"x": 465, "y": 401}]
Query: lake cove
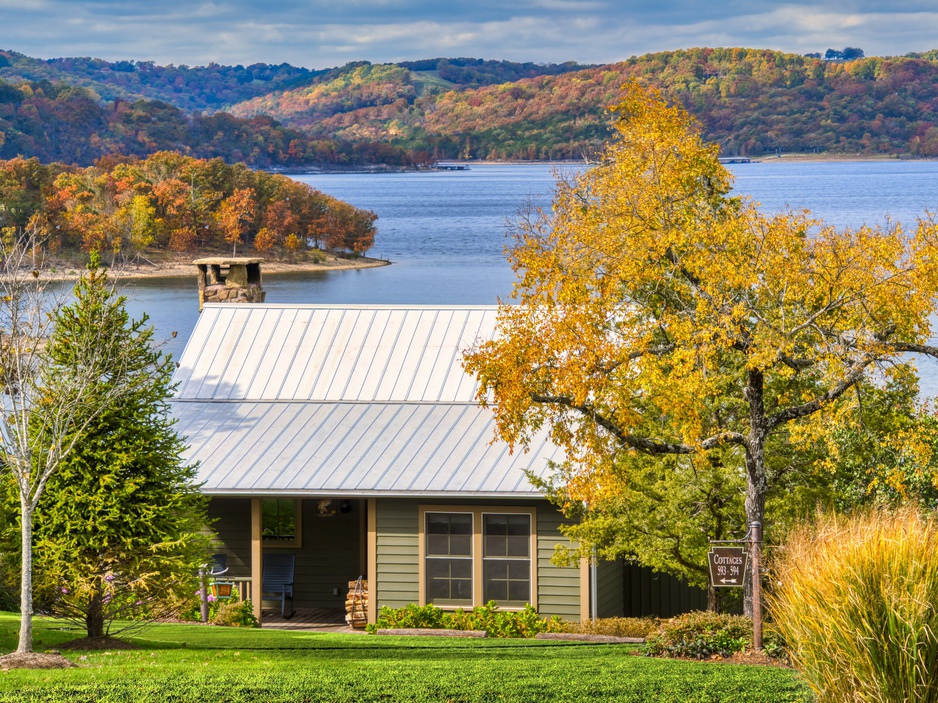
[{"x": 445, "y": 232}]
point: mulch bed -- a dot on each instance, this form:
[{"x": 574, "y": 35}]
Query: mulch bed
[{"x": 34, "y": 660}]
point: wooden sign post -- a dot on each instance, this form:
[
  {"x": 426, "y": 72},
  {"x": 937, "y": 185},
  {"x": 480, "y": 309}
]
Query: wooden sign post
[
  {"x": 728, "y": 570},
  {"x": 755, "y": 549}
]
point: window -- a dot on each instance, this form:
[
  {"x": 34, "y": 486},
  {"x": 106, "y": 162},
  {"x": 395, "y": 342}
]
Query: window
[
  {"x": 506, "y": 562},
  {"x": 280, "y": 522},
  {"x": 449, "y": 558},
  {"x": 470, "y": 556}
]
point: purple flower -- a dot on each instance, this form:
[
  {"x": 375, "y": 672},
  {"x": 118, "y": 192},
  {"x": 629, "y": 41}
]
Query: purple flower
[
  {"x": 109, "y": 578},
  {"x": 211, "y": 598},
  {"x": 64, "y": 590}
]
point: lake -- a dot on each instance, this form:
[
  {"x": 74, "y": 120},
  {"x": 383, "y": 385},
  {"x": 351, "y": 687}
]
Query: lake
[{"x": 445, "y": 231}]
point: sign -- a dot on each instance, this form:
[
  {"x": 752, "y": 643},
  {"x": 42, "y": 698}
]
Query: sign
[{"x": 727, "y": 566}]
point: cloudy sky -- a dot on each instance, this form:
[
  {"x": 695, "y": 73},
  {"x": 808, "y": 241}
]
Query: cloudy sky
[{"x": 325, "y": 33}]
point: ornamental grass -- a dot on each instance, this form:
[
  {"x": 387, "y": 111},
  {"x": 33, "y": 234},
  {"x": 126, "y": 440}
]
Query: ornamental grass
[{"x": 856, "y": 598}]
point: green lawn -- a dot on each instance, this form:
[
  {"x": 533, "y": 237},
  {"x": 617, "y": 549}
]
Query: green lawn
[{"x": 217, "y": 665}]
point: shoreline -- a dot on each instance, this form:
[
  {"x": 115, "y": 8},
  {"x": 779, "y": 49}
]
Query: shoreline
[{"x": 184, "y": 268}]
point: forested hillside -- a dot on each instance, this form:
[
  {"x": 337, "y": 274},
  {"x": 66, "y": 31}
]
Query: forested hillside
[
  {"x": 209, "y": 87},
  {"x": 752, "y": 102}
]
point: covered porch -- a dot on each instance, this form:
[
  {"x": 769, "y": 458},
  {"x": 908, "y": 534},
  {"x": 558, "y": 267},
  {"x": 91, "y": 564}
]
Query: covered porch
[{"x": 326, "y": 537}]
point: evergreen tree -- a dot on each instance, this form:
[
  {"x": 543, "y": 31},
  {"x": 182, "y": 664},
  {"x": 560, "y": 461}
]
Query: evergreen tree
[{"x": 119, "y": 529}]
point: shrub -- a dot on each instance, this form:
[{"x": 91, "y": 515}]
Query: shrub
[
  {"x": 700, "y": 635},
  {"x": 488, "y": 617},
  {"x": 615, "y": 627},
  {"x": 235, "y": 613},
  {"x": 857, "y": 600}
]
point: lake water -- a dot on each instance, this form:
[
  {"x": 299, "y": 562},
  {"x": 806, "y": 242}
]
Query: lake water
[{"x": 445, "y": 232}]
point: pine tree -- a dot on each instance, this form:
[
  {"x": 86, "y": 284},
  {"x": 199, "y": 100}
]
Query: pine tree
[{"x": 119, "y": 529}]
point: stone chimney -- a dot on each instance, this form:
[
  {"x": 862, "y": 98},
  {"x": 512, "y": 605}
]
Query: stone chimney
[{"x": 234, "y": 280}]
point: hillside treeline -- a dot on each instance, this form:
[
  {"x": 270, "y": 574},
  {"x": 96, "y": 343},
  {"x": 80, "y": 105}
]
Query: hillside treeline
[
  {"x": 59, "y": 122},
  {"x": 190, "y": 88},
  {"x": 752, "y": 102},
  {"x": 169, "y": 201}
]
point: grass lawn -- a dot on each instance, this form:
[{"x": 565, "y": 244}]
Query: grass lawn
[{"x": 218, "y": 665}]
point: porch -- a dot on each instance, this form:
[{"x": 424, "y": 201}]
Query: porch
[
  {"x": 326, "y": 538},
  {"x": 313, "y": 619}
]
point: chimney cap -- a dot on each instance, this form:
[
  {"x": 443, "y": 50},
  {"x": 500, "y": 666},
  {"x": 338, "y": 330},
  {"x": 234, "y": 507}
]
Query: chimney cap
[{"x": 226, "y": 261}]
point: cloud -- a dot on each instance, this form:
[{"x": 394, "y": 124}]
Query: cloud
[{"x": 323, "y": 33}]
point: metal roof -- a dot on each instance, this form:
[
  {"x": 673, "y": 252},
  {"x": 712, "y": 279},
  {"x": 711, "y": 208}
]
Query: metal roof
[
  {"x": 355, "y": 449},
  {"x": 351, "y": 401},
  {"x": 330, "y": 353}
]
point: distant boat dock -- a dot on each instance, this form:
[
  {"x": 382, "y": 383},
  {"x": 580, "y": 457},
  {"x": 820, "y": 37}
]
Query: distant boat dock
[
  {"x": 452, "y": 167},
  {"x": 735, "y": 160}
]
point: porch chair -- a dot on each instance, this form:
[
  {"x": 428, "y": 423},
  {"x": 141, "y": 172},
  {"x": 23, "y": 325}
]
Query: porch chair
[{"x": 277, "y": 580}]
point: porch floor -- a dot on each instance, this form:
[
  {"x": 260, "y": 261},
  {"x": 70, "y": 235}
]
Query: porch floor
[{"x": 314, "y": 619}]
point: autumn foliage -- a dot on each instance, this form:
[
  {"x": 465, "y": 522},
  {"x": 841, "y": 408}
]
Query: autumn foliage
[
  {"x": 667, "y": 326},
  {"x": 170, "y": 201}
]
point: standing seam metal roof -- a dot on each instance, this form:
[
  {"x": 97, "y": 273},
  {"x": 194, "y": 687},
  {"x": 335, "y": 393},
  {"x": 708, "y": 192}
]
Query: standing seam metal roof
[{"x": 337, "y": 400}]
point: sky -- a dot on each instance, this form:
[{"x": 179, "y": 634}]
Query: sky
[{"x": 327, "y": 33}]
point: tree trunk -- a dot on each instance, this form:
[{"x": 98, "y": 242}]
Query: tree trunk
[
  {"x": 713, "y": 600},
  {"x": 26, "y": 579},
  {"x": 94, "y": 617}
]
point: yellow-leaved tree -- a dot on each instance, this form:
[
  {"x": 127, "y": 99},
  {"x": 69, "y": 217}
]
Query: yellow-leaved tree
[{"x": 661, "y": 320}]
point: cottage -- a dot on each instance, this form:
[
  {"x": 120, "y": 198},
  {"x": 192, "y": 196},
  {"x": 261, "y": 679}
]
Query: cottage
[{"x": 351, "y": 438}]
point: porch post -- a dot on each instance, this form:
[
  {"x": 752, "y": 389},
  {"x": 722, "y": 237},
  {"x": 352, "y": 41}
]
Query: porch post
[
  {"x": 256, "y": 557},
  {"x": 585, "y": 589},
  {"x": 372, "y": 572}
]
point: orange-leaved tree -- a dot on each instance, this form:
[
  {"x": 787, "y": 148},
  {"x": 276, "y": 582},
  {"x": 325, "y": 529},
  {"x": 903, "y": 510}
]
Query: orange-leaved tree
[{"x": 660, "y": 317}]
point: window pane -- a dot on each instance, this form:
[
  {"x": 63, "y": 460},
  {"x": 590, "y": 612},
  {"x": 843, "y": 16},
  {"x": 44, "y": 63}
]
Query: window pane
[
  {"x": 460, "y": 545},
  {"x": 460, "y": 524},
  {"x": 519, "y": 525},
  {"x": 278, "y": 519},
  {"x": 437, "y": 524},
  {"x": 519, "y": 570},
  {"x": 518, "y": 546},
  {"x": 438, "y": 544},
  {"x": 496, "y": 524},
  {"x": 519, "y": 591},
  {"x": 495, "y": 546}
]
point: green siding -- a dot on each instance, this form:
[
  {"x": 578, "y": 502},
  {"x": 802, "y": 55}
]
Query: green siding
[
  {"x": 231, "y": 520},
  {"x": 558, "y": 588},
  {"x": 396, "y": 523}
]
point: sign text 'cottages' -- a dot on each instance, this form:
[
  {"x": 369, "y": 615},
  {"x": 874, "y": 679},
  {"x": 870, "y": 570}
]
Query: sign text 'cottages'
[{"x": 727, "y": 566}]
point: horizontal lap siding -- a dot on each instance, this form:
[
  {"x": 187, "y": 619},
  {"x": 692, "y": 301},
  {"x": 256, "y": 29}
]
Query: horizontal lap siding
[
  {"x": 231, "y": 521},
  {"x": 396, "y": 522},
  {"x": 558, "y": 588}
]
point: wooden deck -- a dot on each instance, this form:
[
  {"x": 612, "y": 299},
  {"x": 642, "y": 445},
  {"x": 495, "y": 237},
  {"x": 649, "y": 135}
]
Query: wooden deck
[{"x": 312, "y": 619}]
